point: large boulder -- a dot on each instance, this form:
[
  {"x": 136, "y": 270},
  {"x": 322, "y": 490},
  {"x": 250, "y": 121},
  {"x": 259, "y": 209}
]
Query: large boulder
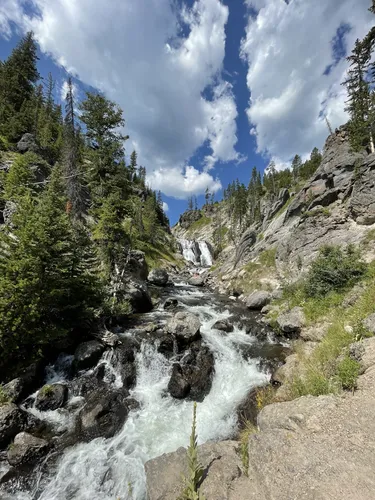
[
  {"x": 27, "y": 143},
  {"x": 220, "y": 461},
  {"x": 103, "y": 415},
  {"x": 138, "y": 296},
  {"x": 123, "y": 360},
  {"x": 26, "y": 449},
  {"x": 27, "y": 381},
  {"x": 196, "y": 281},
  {"x": 223, "y": 325},
  {"x": 136, "y": 265},
  {"x": 12, "y": 421},
  {"x": 87, "y": 355},
  {"x": 185, "y": 327},
  {"x": 178, "y": 386},
  {"x": 51, "y": 397},
  {"x": 291, "y": 322},
  {"x": 258, "y": 299},
  {"x": 158, "y": 277}
]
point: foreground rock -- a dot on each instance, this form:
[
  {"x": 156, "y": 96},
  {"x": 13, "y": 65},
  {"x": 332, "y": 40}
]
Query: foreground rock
[
  {"x": 51, "y": 397},
  {"x": 12, "y": 421},
  {"x": 185, "y": 327},
  {"x": 258, "y": 299},
  {"x": 224, "y": 326},
  {"x": 87, "y": 355},
  {"x": 170, "y": 303},
  {"x": 103, "y": 414},
  {"x": 220, "y": 461},
  {"x": 158, "y": 277},
  {"x": 138, "y": 296},
  {"x": 369, "y": 323},
  {"x": 26, "y": 449}
]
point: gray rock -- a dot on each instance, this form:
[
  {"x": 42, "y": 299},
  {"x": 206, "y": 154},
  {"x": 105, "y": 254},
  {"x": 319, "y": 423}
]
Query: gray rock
[
  {"x": 223, "y": 325},
  {"x": 362, "y": 202},
  {"x": 136, "y": 265},
  {"x": 51, "y": 397},
  {"x": 292, "y": 321},
  {"x": 258, "y": 299},
  {"x": 27, "y": 143},
  {"x": 188, "y": 217},
  {"x": 8, "y": 212},
  {"x": 12, "y": 421},
  {"x": 248, "y": 240},
  {"x": 196, "y": 281},
  {"x": 369, "y": 323},
  {"x": 138, "y": 296},
  {"x": 87, "y": 355},
  {"x": 158, "y": 277},
  {"x": 26, "y": 449},
  {"x": 170, "y": 303},
  {"x": 178, "y": 386},
  {"x": 103, "y": 415},
  {"x": 29, "y": 379},
  {"x": 220, "y": 461},
  {"x": 185, "y": 327}
]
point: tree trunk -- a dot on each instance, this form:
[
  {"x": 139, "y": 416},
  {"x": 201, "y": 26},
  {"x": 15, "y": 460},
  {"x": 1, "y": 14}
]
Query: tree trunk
[{"x": 372, "y": 143}]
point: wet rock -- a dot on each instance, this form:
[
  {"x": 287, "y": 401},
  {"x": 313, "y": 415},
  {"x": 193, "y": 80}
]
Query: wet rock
[
  {"x": 103, "y": 415},
  {"x": 158, "y": 277},
  {"x": 87, "y": 355},
  {"x": 170, "y": 303},
  {"x": 29, "y": 379},
  {"x": 27, "y": 143},
  {"x": 12, "y": 421},
  {"x": 123, "y": 360},
  {"x": 166, "y": 346},
  {"x": 185, "y": 327},
  {"x": 51, "y": 397},
  {"x": 223, "y": 325},
  {"x": 369, "y": 323},
  {"x": 196, "y": 281},
  {"x": 258, "y": 299},
  {"x": 138, "y": 296},
  {"x": 178, "y": 386},
  {"x": 26, "y": 449},
  {"x": 292, "y": 321}
]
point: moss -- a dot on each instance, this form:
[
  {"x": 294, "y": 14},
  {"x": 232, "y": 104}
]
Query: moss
[
  {"x": 4, "y": 396},
  {"x": 198, "y": 224},
  {"x": 46, "y": 390}
]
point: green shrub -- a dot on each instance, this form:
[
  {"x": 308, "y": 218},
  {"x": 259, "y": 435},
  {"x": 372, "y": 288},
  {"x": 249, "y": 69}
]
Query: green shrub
[
  {"x": 313, "y": 382},
  {"x": 245, "y": 434},
  {"x": 348, "y": 372},
  {"x": 333, "y": 270},
  {"x": 4, "y": 144}
]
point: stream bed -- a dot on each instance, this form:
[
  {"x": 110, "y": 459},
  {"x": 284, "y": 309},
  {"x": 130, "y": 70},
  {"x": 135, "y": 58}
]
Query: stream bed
[{"x": 113, "y": 468}]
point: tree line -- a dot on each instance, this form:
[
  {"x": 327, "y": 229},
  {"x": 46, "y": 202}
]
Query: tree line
[{"x": 75, "y": 208}]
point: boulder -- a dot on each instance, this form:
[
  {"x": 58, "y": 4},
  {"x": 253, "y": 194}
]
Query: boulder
[
  {"x": 291, "y": 322},
  {"x": 196, "y": 281},
  {"x": 178, "y": 386},
  {"x": 158, "y": 277},
  {"x": 220, "y": 461},
  {"x": 223, "y": 325},
  {"x": 123, "y": 361},
  {"x": 87, "y": 355},
  {"x": 103, "y": 415},
  {"x": 170, "y": 303},
  {"x": 51, "y": 397},
  {"x": 258, "y": 299},
  {"x": 166, "y": 346},
  {"x": 27, "y": 143},
  {"x": 26, "y": 449},
  {"x": 136, "y": 265},
  {"x": 138, "y": 296},
  {"x": 185, "y": 327},
  {"x": 12, "y": 421},
  {"x": 369, "y": 323}
]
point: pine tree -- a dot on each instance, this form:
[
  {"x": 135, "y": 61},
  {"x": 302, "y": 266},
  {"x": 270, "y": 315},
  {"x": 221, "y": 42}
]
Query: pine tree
[
  {"x": 190, "y": 203},
  {"x": 133, "y": 164},
  {"x": 296, "y": 167},
  {"x": 207, "y": 196}
]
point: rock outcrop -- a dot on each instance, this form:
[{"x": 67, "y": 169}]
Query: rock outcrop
[
  {"x": 185, "y": 327},
  {"x": 158, "y": 277}
]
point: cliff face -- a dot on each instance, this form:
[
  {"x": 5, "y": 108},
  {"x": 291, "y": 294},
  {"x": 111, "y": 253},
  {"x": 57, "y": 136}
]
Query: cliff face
[{"x": 336, "y": 207}]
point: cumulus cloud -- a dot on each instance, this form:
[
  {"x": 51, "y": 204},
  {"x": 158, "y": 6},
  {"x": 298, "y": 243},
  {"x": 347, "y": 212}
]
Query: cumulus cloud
[
  {"x": 295, "y": 54},
  {"x": 183, "y": 182},
  {"x": 157, "y": 62},
  {"x": 165, "y": 207}
]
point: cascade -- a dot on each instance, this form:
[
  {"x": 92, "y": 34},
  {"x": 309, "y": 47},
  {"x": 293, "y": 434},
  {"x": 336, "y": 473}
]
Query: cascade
[{"x": 197, "y": 252}]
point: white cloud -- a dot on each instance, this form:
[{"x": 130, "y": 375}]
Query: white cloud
[
  {"x": 181, "y": 183},
  {"x": 64, "y": 89},
  {"x": 156, "y": 62},
  {"x": 165, "y": 207},
  {"x": 288, "y": 47}
]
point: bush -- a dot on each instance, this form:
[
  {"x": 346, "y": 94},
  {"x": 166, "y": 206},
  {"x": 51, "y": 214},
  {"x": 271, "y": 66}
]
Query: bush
[
  {"x": 333, "y": 270},
  {"x": 348, "y": 372}
]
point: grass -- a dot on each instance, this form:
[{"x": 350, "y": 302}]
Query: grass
[
  {"x": 314, "y": 213},
  {"x": 198, "y": 224},
  {"x": 248, "y": 430},
  {"x": 155, "y": 253},
  {"x": 370, "y": 237},
  {"x": 268, "y": 257}
]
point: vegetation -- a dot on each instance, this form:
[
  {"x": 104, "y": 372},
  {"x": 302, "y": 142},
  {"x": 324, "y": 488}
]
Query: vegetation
[
  {"x": 77, "y": 209},
  {"x": 192, "y": 482},
  {"x": 198, "y": 224},
  {"x": 4, "y": 397},
  {"x": 248, "y": 430}
]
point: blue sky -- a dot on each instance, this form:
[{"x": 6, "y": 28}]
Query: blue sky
[{"x": 209, "y": 88}]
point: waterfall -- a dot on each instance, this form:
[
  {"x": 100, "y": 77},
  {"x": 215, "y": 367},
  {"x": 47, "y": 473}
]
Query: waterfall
[{"x": 197, "y": 252}]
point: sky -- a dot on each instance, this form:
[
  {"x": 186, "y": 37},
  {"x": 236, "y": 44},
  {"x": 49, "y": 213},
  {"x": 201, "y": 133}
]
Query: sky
[{"x": 209, "y": 88}]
